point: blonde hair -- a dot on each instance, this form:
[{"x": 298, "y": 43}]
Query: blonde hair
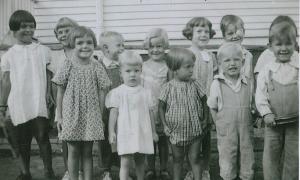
[
  {"x": 156, "y": 33},
  {"x": 231, "y": 20},
  {"x": 64, "y": 22},
  {"x": 80, "y": 31},
  {"x": 105, "y": 37},
  {"x": 129, "y": 57},
  {"x": 197, "y": 22},
  {"x": 229, "y": 46}
]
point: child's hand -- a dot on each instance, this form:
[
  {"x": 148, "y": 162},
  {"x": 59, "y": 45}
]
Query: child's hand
[
  {"x": 112, "y": 138},
  {"x": 59, "y": 126},
  {"x": 167, "y": 131},
  {"x": 155, "y": 137},
  {"x": 269, "y": 120}
]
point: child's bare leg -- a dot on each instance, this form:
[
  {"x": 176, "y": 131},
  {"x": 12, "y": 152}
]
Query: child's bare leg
[
  {"x": 125, "y": 165},
  {"x": 206, "y": 151},
  {"x": 140, "y": 165},
  {"x": 194, "y": 154},
  {"x": 178, "y": 157},
  {"x": 73, "y": 158},
  {"x": 163, "y": 149},
  {"x": 64, "y": 147},
  {"x": 87, "y": 160}
]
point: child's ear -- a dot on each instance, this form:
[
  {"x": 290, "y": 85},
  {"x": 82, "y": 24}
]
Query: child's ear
[{"x": 269, "y": 46}]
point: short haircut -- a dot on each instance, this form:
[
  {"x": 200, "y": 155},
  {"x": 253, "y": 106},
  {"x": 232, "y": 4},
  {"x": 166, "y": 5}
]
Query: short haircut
[
  {"x": 229, "y": 46},
  {"x": 197, "y": 22},
  {"x": 231, "y": 20},
  {"x": 129, "y": 57},
  {"x": 283, "y": 31},
  {"x": 64, "y": 22},
  {"x": 78, "y": 32},
  {"x": 287, "y": 19},
  {"x": 105, "y": 37},
  {"x": 18, "y": 17},
  {"x": 176, "y": 57},
  {"x": 156, "y": 33}
]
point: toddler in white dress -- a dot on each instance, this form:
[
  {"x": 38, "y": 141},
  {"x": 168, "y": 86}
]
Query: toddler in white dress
[{"x": 131, "y": 124}]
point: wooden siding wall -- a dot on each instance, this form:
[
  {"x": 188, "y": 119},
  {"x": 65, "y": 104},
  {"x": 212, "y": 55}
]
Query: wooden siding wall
[
  {"x": 7, "y": 7},
  {"x": 134, "y": 18},
  {"x": 48, "y": 12}
]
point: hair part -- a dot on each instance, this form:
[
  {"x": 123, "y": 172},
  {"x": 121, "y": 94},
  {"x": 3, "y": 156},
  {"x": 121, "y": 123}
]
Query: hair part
[
  {"x": 106, "y": 36},
  {"x": 78, "y": 32},
  {"x": 129, "y": 57},
  {"x": 176, "y": 56},
  {"x": 287, "y": 19},
  {"x": 18, "y": 17},
  {"x": 197, "y": 22},
  {"x": 63, "y": 23},
  {"x": 283, "y": 31},
  {"x": 156, "y": 33},
  {"x": 229, "y": 47},
  {"x": 231, "y": 20}
]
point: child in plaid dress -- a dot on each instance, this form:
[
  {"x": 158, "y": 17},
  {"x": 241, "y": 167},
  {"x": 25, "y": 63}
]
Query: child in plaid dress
[{"x": 182, "y": 109}]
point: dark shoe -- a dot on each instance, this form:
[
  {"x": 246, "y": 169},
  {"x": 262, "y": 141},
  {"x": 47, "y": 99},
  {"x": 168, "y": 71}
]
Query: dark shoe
[
  {"x": 164, "y": 175},
  {"x": 24, "y": 177},
  {"x": 150, "y": 175}
]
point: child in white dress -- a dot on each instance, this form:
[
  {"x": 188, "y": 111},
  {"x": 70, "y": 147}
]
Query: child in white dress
[{"x": 131, "y": 124}]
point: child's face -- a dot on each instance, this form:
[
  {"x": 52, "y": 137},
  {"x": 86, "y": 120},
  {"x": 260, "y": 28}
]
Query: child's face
[
  {"x": 231, "y": 63},
  {"x": 185, "y": 72},
  {"x": 156, "y": 49},
  {"x": 25, "y": 33},
  {"x": 234, "y": 34},
  {"x": 84, "y": 47},
  {"x": 200, "y": 36},
  {"x": 62, "y": 34},
  {"x": 114, "y": 47},
  {"x": 283, "y": 51},
  {"x": 131, "y": 74}
]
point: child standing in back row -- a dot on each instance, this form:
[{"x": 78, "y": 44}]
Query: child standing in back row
[
  {"x": 112, "y": 45},
  {"x": 131, "y": 123},
  {"x": 155, "y": 74},
  {"x": 182, "y": 110},
  {"x": 199, "y": 31},
  {"x": 230, "y": 104},
  {"x": 277, "y": 96}
]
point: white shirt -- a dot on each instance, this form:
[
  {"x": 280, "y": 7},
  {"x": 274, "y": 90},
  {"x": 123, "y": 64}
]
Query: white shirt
[
  {"x": 27, "y": 67},
  {"x": 283, "y": 73}
]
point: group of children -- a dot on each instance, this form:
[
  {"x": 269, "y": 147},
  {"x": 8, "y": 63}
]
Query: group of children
[{"x": 133, "y": 108}]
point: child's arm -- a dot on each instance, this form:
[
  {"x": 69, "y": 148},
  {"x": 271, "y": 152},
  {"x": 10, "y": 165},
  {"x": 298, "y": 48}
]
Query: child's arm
[
  {"x": 162, "y": 106},
  {"x": 214, "y": 114},
  {"x": 5, "y": 90},
  {"x": 154, "y": 134},
  {"x": 113, "y": 116},
  {"x": 59, "y": 99}
]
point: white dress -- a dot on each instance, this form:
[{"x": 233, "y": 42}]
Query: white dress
[{"x": 134, "y": 133}]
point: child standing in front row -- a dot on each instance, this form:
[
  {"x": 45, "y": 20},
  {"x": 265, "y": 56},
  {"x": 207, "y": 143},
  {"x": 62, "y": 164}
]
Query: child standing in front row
[
  {"x": 199, "y": 31},
  {"x": 230, "y": 104},
  {"x": 81, "y": 82},
  {"x": 182, "y": 109},
  {"x": 26, "y": 91},
  {"x": 155, "y": 74},
  {"x": 131, "y": 123},
  {"x": 111, "y": 44},
  {"x": 61, "y": 31},
  {"x": 277, "y": 96}
]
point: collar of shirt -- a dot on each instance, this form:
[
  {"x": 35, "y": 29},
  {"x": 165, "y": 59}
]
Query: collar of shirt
[
  {"x": 294, "y": 62},
  {"x": 19, "y": 47},
  {"x": 110, "y": 63},
  {"x": 204, "y": 54},
  {"x": 235, "y": 87}
]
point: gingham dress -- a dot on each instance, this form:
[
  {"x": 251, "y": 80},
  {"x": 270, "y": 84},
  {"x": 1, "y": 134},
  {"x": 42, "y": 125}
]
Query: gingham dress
[{"x": 184, "y": 113}]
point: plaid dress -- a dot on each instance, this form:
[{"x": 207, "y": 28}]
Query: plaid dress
[{"x": 184, "y": 112}]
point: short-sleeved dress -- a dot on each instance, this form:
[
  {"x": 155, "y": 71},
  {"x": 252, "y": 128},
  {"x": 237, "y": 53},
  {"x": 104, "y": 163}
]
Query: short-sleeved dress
[
  {"x": 134, "y": 132},
  {"x": 82, "y": 118},
  {"x": 184, "y": 113}
]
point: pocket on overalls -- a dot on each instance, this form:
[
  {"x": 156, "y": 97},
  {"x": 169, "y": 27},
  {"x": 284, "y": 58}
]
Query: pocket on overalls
[{"x": 221, "y": 126}]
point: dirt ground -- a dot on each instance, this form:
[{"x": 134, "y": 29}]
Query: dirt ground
[{"x": 9, "y": 170}]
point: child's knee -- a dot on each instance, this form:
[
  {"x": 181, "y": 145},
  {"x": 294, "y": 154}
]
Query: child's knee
[{"x": 178, "y": 158}]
